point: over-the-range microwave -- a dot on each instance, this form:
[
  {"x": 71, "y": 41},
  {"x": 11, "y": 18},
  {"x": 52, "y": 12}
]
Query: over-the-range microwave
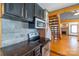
[{"x": 39, "y": 23}]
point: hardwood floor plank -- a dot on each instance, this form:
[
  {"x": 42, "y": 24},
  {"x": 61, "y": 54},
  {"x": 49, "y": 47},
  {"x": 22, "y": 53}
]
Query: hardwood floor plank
[
  {"x": 68, "y": 45},
  {"x": 56, "y": 53}
]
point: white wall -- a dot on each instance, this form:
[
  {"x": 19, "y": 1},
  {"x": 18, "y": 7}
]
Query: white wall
[{"x": 47, "y": 29}]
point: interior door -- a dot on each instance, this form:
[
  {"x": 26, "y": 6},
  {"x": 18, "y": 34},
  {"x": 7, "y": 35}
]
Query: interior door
[{"x": 73, "y": 29}]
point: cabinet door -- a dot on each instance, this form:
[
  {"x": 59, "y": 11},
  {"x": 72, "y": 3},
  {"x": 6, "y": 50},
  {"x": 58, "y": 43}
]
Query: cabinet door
[
  {"x": 42, "y": 14},
  {"x": 16, "y": 9},
  {"x": 38, "y": 51},
  {"x": 46, "y": 49},
  {"x": 39, "y": 12},
  {"x": 29, "y": 11}
]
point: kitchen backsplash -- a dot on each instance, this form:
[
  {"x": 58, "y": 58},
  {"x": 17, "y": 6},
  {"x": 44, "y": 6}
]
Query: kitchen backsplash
[{"x": 14, "y": 32}]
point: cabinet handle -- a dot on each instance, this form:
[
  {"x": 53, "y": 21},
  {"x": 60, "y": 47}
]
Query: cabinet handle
[
  {"x": 26, "y": 14},
  {"x": 22, "y": 12}
]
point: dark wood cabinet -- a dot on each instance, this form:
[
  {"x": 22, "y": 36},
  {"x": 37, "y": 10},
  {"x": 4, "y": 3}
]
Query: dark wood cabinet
[
  {"x": 22, "y": 49},
  {"x": 31, "y": 53},
  {"x": 26, "y": 11},
  {"x": 29, "y": 11},
  {"x": 39, "y": 12},
  {"x": 16, "y": 9},
  {"x": 46, "y": 49},
  {"x": 31, "y": 25},
  {"x": 35, "y": 52}
]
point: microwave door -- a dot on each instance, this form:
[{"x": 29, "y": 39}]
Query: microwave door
[{"x": 39, "y": 23}]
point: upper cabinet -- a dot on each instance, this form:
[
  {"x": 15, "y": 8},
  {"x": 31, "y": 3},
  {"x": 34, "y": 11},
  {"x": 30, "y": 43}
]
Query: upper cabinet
[
  {"x": 29, "y": 11},
  {"x": 39, "y": 12},
  {"x": 25, "y": 11},
  {"x": 16, "y": 9}
]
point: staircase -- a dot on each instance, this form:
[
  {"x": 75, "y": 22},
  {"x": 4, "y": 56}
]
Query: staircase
[{"x": 55, "y": 27}]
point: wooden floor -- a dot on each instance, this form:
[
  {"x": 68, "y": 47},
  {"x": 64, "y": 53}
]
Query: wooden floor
[{"x": 67, "y": 46}]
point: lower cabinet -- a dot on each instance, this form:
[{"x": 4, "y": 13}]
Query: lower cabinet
[
  {"x": 29, "y": 54},
  {"x": 46, "y": 49},
  {"x": 35, "y": 52},
  {"x": 40, "y": 50},
  {"x": 24, "y": 50}
]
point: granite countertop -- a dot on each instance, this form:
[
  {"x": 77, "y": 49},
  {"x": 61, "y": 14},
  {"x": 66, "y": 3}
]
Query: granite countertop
[
  {"x": 22, "y": 47},
  {"x": 43, "y": 41}
]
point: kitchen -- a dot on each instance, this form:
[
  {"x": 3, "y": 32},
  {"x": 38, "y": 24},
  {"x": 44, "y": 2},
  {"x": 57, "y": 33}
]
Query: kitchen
[
  {"x": 23, "y": 30},
  {"x": 39, "y": 29}
]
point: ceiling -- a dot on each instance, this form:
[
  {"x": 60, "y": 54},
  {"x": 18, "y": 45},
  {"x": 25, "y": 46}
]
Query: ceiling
[
  {"x": 55, "y": 6},
  {"x": 69, "y": 16}
]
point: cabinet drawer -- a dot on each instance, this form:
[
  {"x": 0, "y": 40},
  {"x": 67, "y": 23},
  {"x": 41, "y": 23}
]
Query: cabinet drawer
[{"x": 29, "y": 54}]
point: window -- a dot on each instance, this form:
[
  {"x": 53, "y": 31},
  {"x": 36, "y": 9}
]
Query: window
[{"x": 73, "y": 28}]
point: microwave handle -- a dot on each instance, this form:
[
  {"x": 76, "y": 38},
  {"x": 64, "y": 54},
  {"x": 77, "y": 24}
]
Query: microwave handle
[{"x": 26, "y": 14}]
